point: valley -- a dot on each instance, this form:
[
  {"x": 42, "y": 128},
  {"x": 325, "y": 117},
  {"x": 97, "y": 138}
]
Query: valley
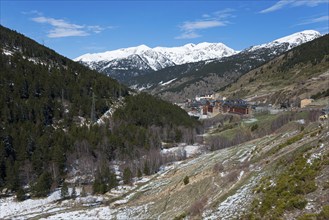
[
  {"x": 223, "y": 184},
  {"x": 199, "y": 131}
]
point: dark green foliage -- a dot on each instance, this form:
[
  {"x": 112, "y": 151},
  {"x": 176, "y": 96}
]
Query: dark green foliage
[
  {"x": 320, "y": 94},
  {"x": 20, "y": 194},
  {"x": 36, "y": 98},
  {"x": 288, "y": 142},
  {"x": 146, "y": 168},
  {"x": 104, "y": 181},
  {"x": 145, "y": 110},
  {"x": 324, "y": 214},
  {"x": 312, "y": 52},
  {"x": 40, "y": 104},
  {"x": 297, "y": 202},
  {"x": 139, "y": 173},
  {"x": 64, "y": 191},
  {"x": 254, "y": 127},
  {"x": 186, "y": 180},
  {"x": 127, "y": 176},
  {"x": 289, "y": 189},
  {"x": 181, "y": 216},
  {"x": 307, "y": 217},
  {"x": 73, "y": 193},
  {"x": 42, "y": 186}
]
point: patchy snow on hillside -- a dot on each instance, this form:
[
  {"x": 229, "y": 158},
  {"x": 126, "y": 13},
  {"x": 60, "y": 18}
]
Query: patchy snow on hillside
[
  {"x": 7, "y": 52},
  {"x": 9, "y": 208},
  {"x": 184, "y": 150},
  {"x": 233, "y": 205},
  {"x": 166, "y": 83}
]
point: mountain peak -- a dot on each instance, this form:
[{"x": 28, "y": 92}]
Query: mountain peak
[
  {"x": 292, "y": 40},
  {"x": 190, "y": 45},
  {"x": 142, "y": 47},
  {"x": 304, "y": 36},
  {"x": 168, "y": 55}
]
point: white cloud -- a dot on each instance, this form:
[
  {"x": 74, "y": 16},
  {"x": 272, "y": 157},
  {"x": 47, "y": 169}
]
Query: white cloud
[
  {"x": 190, "y": 35},
  {"x": 62, "y": 28},
  {"x": 217, "y": 19},
  {"x": 293, "y": 3},
  {"x": 315, "y": 20},
  {"x": 195, "y": 25},
  {"x": 33, "y": 12}
]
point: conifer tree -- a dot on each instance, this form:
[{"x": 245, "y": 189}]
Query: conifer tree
[
  {"x": 64, "y": 191},
  {"x": 73, "y": 193},
  {"x": 127, "y": 176},
  {"x": 146, "y": 169},
  {"x": 20, "y": 194},
  {"x": 43, "y": 184}
]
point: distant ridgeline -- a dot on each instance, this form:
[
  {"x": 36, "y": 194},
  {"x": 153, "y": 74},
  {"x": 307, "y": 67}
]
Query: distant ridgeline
[{"x": 49, "y": 105}]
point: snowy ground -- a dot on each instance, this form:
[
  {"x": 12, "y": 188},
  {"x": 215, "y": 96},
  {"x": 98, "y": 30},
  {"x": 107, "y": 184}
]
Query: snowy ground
[
  {"x": 185, "y": 150},
  {"x": 164, "y": 195},
  {"x": 9, "y": 208}
]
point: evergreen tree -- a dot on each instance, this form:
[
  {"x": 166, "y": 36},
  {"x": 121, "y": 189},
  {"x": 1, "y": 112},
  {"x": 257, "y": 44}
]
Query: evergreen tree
[
  {"x": 139, "y": 173},
  {"x": 113, "y": 182},
  {"x": 127, "y": 176},
  {"x": 186, "y": 180},
  {"x": 42, "y": 187},
  {"x": 64, "y": 191},
  {"x": 20, "y": 194},
  {"x": 146, "y": 168},
  {"x": 73, "y": 193}
]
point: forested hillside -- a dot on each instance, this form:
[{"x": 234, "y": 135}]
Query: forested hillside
[{"x": 49, "y": 106}]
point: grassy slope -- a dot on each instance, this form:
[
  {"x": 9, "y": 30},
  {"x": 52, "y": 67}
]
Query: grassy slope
[
  {"x": 229, "y": 191},
  {"x": 288, "y": 76}
]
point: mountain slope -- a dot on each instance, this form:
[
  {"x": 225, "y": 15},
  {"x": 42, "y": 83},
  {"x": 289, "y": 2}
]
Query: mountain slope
[
  {"x": 49, "y": 127},
  {"x": 124, "y": 64},
  {"x": 210, "y": 76},
  {"x": 297, "y": 74},
  {"x": 239, "y": 182}
]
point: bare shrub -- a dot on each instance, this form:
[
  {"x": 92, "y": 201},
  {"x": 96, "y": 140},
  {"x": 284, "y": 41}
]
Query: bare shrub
[
  {"x": 220, "y": 142},
  {"x": 218, "y": 167},
  {"x": 198, "y": 206},
  {"x": 232, "y": 176},
  {"x": 314, "y": 115},
  {"x": 244, "y": 165}
]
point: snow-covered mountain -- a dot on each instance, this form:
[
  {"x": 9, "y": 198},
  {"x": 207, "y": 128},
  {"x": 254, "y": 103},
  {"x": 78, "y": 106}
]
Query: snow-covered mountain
[
  {"x": 134, "y": 61},
  {"x": 206, "y": 77},
  {"x": 127, "y": 63},
  {"x": 289, "y": 41}
]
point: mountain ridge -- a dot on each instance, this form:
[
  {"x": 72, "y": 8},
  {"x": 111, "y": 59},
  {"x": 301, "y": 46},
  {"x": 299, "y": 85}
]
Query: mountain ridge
[
  {"x": 129, "y": 64},
  {"x": 175, "y": 54},
  {"x": 207, "y": 77}
]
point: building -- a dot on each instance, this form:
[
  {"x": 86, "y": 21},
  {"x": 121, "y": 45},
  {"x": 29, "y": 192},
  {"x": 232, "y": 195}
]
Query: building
[
  {"x": 305, "y": 102},
  {"x": 237, "y": 106}
]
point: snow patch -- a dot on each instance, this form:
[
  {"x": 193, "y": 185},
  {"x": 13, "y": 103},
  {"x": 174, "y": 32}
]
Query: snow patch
[
  {"x": 166, "y": 83},
  {"x": 183, "y": 149}
]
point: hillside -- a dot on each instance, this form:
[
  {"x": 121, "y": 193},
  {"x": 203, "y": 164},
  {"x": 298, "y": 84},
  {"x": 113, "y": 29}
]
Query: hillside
[
  {"x": 300, "y": 73},
  {"x": 281, "y": 174},
  {"x": 59, "y": 120},
  {"x": 189, "y": 80}
]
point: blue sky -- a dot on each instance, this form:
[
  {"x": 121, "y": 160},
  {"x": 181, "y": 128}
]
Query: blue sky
[{"x": 73, "y": 28}]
